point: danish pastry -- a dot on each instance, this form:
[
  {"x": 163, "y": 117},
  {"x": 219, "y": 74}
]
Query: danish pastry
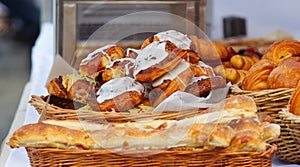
[
  {"x": 173, "y": 81},
  {"x": 157, "y": 59},
  {"x": 119, "y": 94},
  {"x": 71, "y": 86},
  {"x": 295, "y": 101},
  {"x": 100, "y": 58},
  {"x": 201, "y": 86},
  {"x": 201, "y": 69}
]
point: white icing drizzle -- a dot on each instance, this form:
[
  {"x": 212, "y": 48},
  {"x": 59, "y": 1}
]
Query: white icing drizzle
[
  {"x": 150, "y": 55},
  {"x": 117, "y": 87},
  {"x": 179, "y": 39},
  {"x": 195, "y": 79},
  {"x": 94, "y": 53},
  {"x": 172, "y": 74},
  {"x": 131, "y": 49}
]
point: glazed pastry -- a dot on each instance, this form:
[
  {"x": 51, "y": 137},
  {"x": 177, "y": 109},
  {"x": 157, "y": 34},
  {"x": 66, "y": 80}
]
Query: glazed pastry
[
  {"x": 119, "y": 68},
  {"x": 157, "y": 59},
  {"x": 177, "y": 38},
  {"x": 201, "y": 86},
  {"x": 119, "y": 94},
  {"x": 282, "y": 49},
  {"x": 73, "y": 86},
  {"x": 286, "y": 74},
  {"x": 257, "y": 77},
  {"x": 175, "y": 80},
  {"x": 100, "y": 58}
]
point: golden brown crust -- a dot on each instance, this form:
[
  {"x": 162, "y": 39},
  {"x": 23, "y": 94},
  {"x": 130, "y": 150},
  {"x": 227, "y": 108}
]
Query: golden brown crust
[
  {"x": 158, "y": 94},
  {"x": 122, "y": 102},
  {"x": 241, "y": 62},
  {"x": 282, "y": 49},
  {"x": 202, "y": 87},
  {"x": 286, "y": 74},
  {"x": 117, "y": 70},
  {"x": 257, "y": 77},
  {"x": 150, "y": 74},
  {"x": 44, "y": 135},
  {"x": 295, "y": 101},
  {"x": 100, "y": 60},
  {"x": 199, "y": 70}
]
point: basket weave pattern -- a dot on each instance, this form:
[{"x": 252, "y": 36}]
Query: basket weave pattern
[
  {"x": 60, "y": 157},
  {"x": 289, "y": 140}
]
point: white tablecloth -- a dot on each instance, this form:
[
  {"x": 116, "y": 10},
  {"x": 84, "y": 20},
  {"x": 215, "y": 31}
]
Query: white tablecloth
[{"x": 42, "y": 60}]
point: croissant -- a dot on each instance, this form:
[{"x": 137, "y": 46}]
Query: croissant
[
  {"x": 242, "y": 62},
  {"x": 286, "y": 74},
  {"x": 282, "y": 49},
  {"x": 211, "y": 52},
  {"x": 231, "y": 74},
  {"x": 295, "y": 101},
  {"x": 257, "y": 76}
]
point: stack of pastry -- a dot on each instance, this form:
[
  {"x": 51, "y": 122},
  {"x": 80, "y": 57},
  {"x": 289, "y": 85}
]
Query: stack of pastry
[
  {"x": 231, "y": 125},
  {"x": 278, "y": 68},
  {"x": 112, "y": 79},
  {"x": 225, "y": 61}
]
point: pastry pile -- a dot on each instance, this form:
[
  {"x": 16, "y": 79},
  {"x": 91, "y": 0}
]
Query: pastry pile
[
  {"x": 278, "y": 68},
  {"x": 113, "y": 79}
]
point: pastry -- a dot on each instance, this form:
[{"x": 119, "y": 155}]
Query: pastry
[
  {"x": 119, "y": 94},
  {"x": 212, "y": 52},
  {"x": 175, "y": 80},
  {"x": 232, "y": 75},
  {"x": 282, "y": 49},
  {"x": 295, "y": 101},
  {"x": 177, "y": 38},
  {"x": 257, "y": 77},
  {"x": 73, "y": 86},
  {"x": 201, "y": 69},
  {"x": 100, "y": 58},
  {"x": 157, "y": 59},
  {"x": 201, "y": 86},
  {"x": 286, "y": 74},
  {"x": 242, "y": 62}
]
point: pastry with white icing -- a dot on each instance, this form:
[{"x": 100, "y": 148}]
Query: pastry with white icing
[
  {"x": 100, "y": 58},
  {"x": 119, "y": 94},
  {"x": 175, "y": 80},
  {"x": 157, "y": 59}
]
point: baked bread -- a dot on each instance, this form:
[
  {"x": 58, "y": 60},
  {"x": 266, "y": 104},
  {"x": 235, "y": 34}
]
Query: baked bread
[
  {"x": 211, "y": 52},
  {"x": 201, "y": 86},
  {"x": 72, "y": 86},
  {"x": 286, "y": 74},
  {"x": 175, "y": 80},
  {"x": 282, "y": 49},
  {"x": 157, "y": 59},
  {"x": 179, "y": 39},
  {"x": 201, "y": 69},
  {"x": 100, "y": 58},
  {"x": 232, "y": 75},
  {"x": 295, "y": 101},
  {"x": 242, "y": 62},
  {"x": 257, "y": 77},
  {"x": 119, "y": 94}
]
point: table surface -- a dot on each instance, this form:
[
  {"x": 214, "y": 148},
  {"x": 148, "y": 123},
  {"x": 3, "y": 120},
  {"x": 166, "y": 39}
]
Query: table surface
[{"x": 42, "y": 60}]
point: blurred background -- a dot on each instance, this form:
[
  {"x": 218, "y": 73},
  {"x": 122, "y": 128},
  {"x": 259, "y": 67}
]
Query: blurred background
[{"x": 20, "y": 22}]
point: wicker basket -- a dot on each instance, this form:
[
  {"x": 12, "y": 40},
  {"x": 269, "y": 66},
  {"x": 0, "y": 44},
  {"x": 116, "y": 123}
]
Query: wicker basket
[
  {"x": 42, "y": 157},
  {"x": 269, "y": 101},
  {"x": 53, "y": 112},
  {"x": 289, "y": 140}
]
